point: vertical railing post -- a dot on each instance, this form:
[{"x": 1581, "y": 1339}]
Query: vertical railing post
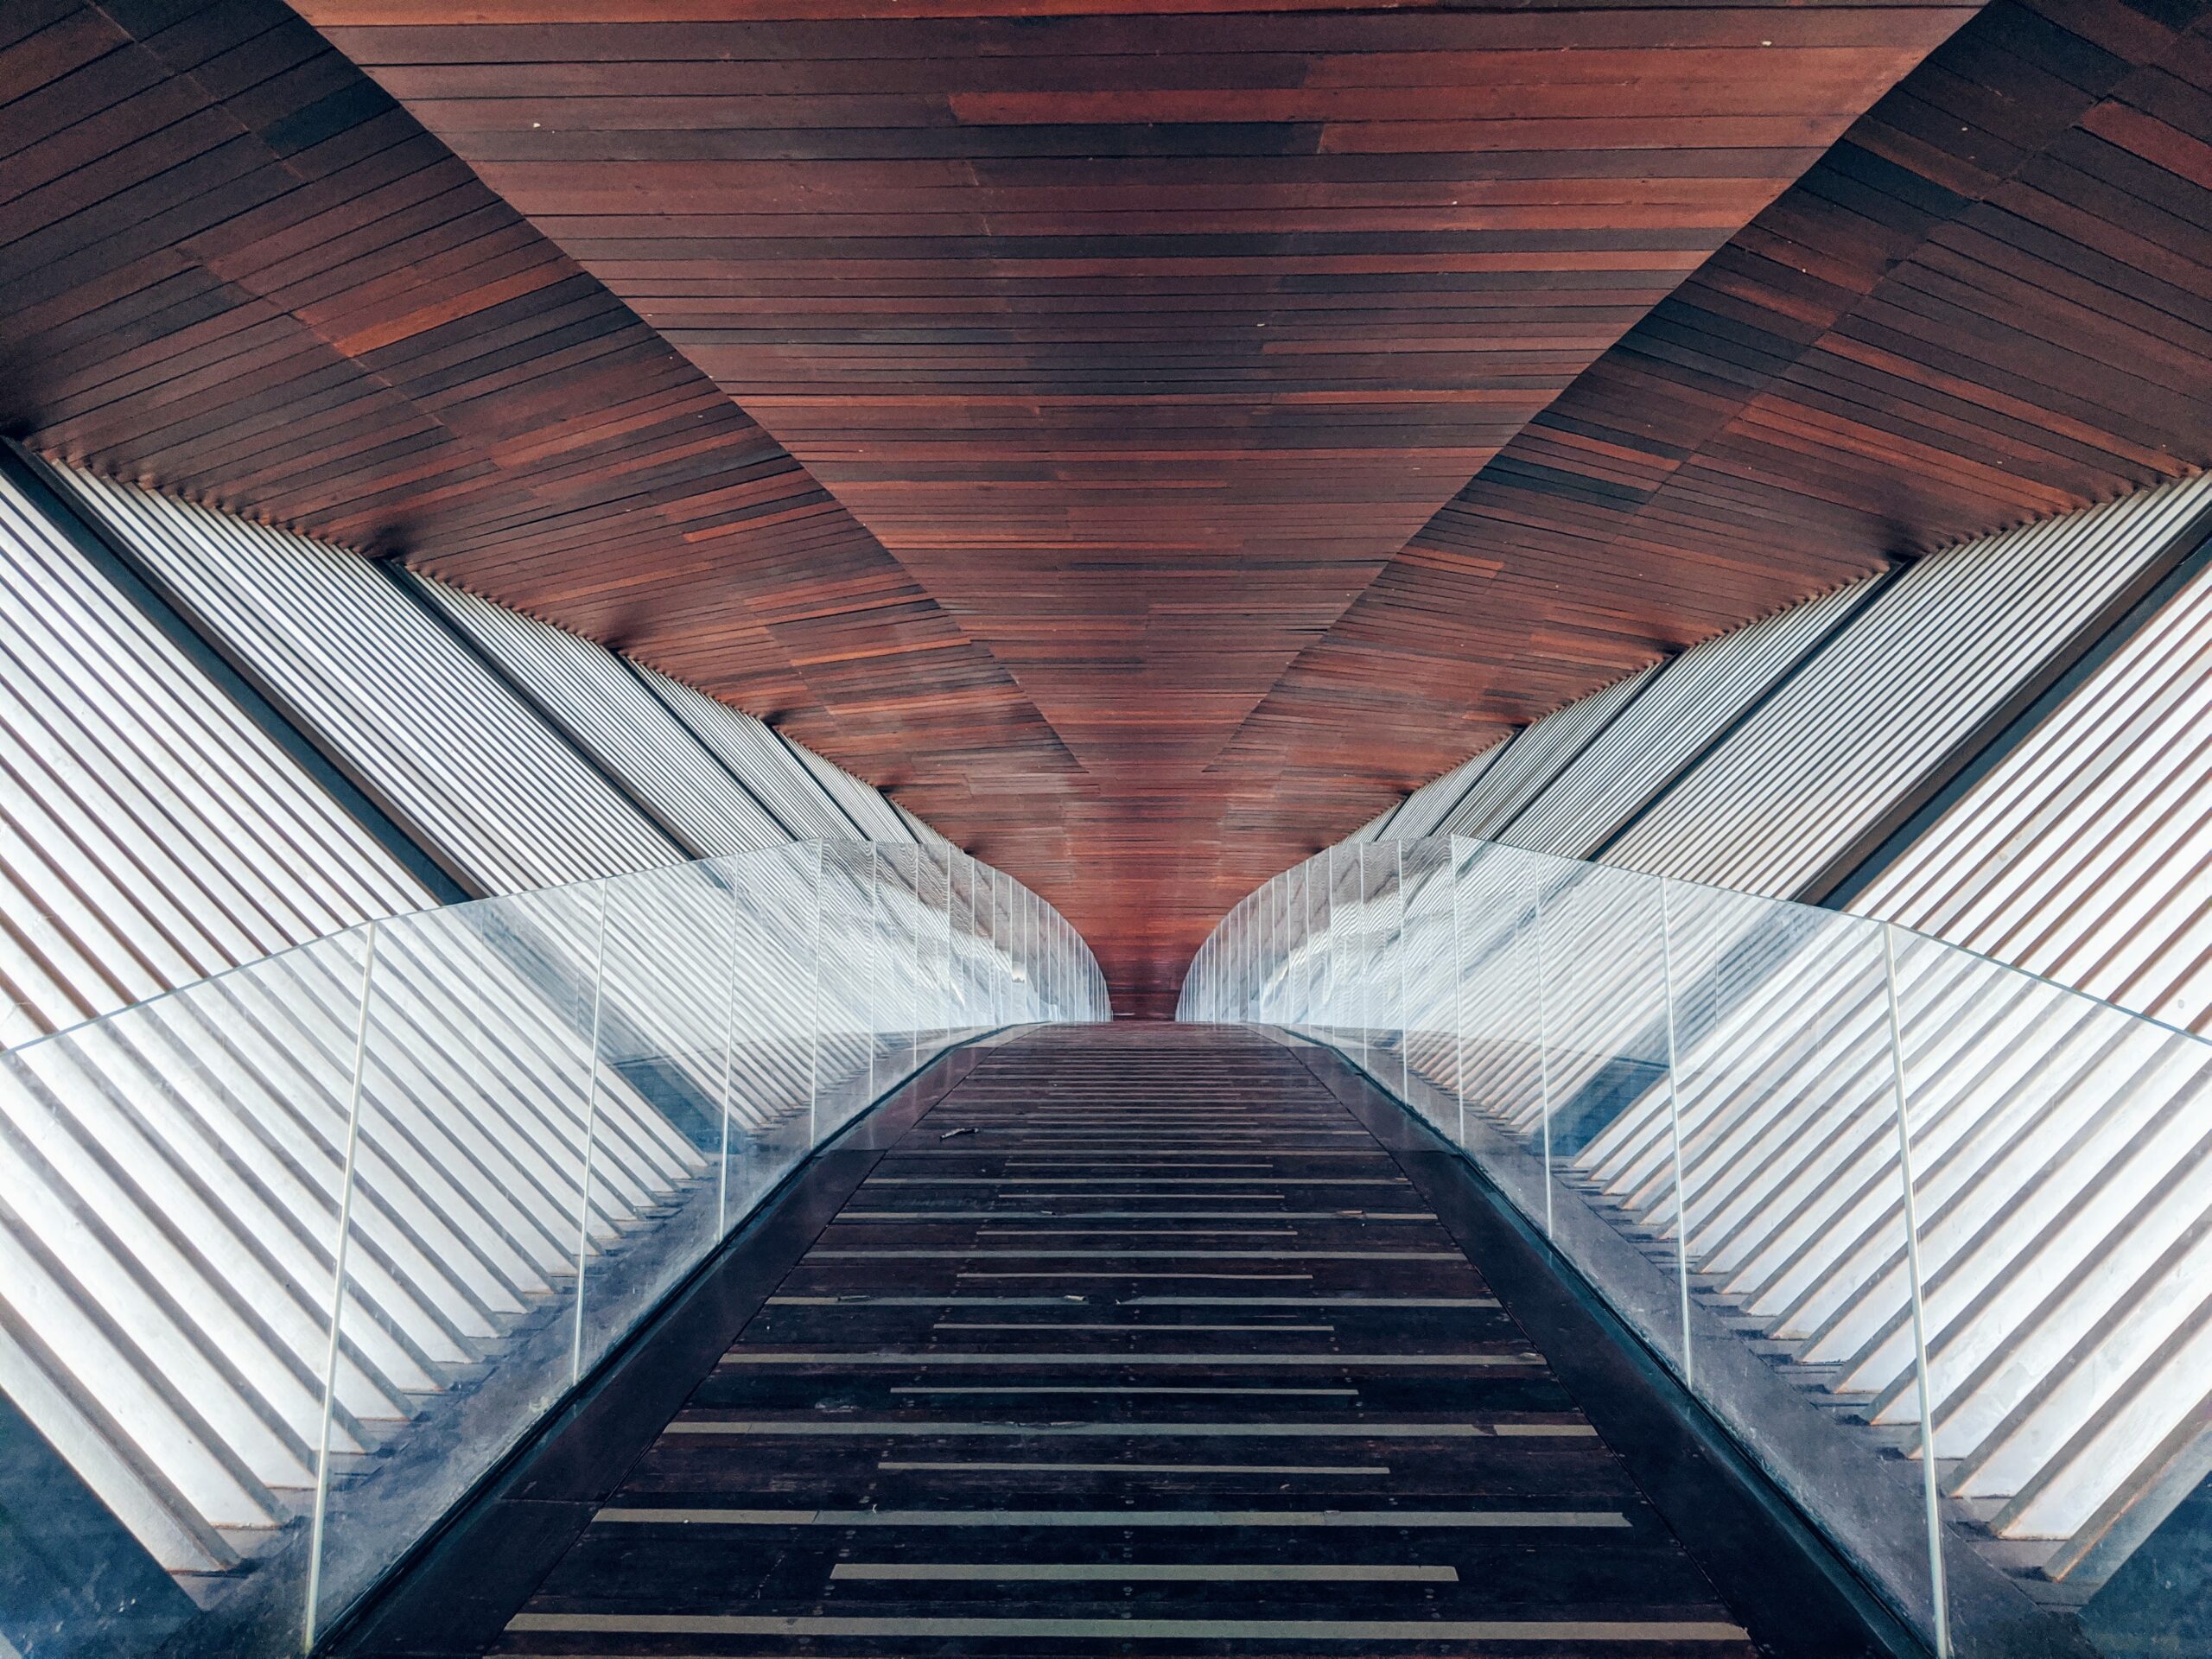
[
  {"x": 1674, "y": 1127},
  {"x": 1543, "y": 1046},
  {"x": 1930, "y": 1492},
  {"x": 874, "y": 968},
  {"x": 1459, "y": 989},
  {"x": 814, "y": 1002},
  {"x": 319, "y": 1522},
  {"x": 729, "y": 1038},
  {"x": 1404, "y": 950},
  {"x": 591, "y": 1133}
]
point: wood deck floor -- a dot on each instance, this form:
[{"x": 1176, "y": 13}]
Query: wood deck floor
[{"x": 1138, "y": 1342}]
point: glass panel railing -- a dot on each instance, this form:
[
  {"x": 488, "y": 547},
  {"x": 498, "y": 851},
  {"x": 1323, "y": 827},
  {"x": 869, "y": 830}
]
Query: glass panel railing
[
  {"x": 290, "y": 1258},
  {"x": 1863, "y": 1192}
]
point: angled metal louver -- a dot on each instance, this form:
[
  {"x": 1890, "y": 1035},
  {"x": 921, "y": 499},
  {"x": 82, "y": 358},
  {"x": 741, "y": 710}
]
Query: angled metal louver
[
  {"x": 150, "y": 833},
  {"x": 1537, "y": 755},
  {"x": 768, "y": 764},
  {"x": 1790, "y": 801},
  {"x": 627, "y": 730},
  {"x": 873, "y": 816},
  {"x": 2085, "y": 854},
  {"x": 1427, "y": 806},
  {"x": 428, "y": 731},
  {"x": 1690, "y": 702},
  {"x": 1851, "y": 1143}
]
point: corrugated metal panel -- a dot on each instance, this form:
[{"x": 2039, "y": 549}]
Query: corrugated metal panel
[
  {"x": 151, "y": 834},
  {"x": 1537, "y": 756},
  {"x": 756, "y": 755},
  {"x": 1427, "y": 806},
  {"x": 442, "y": 744},
  {"x": 1372, "y": 828},
  {"x": 866, "y": 807},
  {"x": 1797, "y": 790},
  {"x": 606, "y": 708},
  {"x": 1718, "y": 1068},
  {"x": 548, "y": 1108},
  {"x": 1690, "y": 703},
  {"x": 2086, "y": 854}
]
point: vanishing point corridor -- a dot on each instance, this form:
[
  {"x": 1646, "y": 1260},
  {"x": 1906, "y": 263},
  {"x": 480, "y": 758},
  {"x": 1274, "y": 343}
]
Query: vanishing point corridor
[{"x": 1137, "y": 1342}]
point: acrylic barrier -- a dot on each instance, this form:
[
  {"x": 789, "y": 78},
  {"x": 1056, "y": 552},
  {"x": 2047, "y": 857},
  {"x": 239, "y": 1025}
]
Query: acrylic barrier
[
  {"x": 1864, "y": 1192},
  {"x": 290, "y": 1258}
]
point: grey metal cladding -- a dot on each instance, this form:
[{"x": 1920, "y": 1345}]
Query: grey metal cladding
[
  {"x": 767, "y": 763},
  {"x": 1817, "y": 768},
  {"x": 1690, "y": 702},
  {"x": 1427, "y": 806},
  {"x": 445, "y": 746},
  {"x": 867, "y": 807},
  {"x": 150, "y": 833},
  {"x": 1537, "y": 756},
  {"x": 2086, "y": 854},
  {"x": 612, "y": 714}
]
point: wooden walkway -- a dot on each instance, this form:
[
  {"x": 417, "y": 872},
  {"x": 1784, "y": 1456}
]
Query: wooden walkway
[{"x": 1137, "y": 1343}]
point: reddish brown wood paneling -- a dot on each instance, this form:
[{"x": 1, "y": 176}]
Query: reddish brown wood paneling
[
  {"x": 1990, "y": 301},
  {"x": 1143, "y": 336},
  {"x": 1158, "y": 350},
  {"x": 231, "y": 266}
]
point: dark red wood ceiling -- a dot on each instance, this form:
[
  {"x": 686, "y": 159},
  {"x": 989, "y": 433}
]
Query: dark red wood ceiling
[
  {"x": 1226, "y": 421},
  {"x": 1144, "y": 340}
]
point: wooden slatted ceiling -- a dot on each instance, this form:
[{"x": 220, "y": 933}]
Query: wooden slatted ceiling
[
  {"x": 1992, "y": 301},
  {"x": 231, "y": 266},
  {"x": 1144, "y": 341}
]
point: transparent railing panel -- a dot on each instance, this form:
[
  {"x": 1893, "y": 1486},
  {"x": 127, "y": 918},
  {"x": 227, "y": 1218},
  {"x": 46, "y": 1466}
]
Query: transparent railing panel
[
  {"x": 1861, "y": 1191},
  {"x": 291, "y": 1257}
]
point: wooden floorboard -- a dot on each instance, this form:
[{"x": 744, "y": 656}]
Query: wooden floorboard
[{"x": 1138, "y": 1342}]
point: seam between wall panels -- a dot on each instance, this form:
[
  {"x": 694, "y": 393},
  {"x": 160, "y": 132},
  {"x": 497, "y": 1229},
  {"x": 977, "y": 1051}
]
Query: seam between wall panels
[
  {"x": 705, "y": 747},
  {"x": 352, "y": 792},
  {"x": 405, "y": 581},
  {"x": 1881, "y": 584},
  {"x": 2008, "y": 734}
]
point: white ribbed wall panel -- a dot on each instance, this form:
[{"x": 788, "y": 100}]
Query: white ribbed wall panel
[
  {"x": 869, "y": 811},
  {"x": 623, "y": 726},
  {"x": 150, "y": 833},
  {"x": 1795, "y": 791},
  {"x": 1373, "y": 827},
  {"x": 1631, "y": 1033},
  {"x": 1690, "y": 703},
  {"x": 755, "y": 753},
  {"x": 2085, "y": 854},
  {"x": 1537, "y": 755},
  {"x": 443, "y": 746},
  {"x": 1427, "y": 806}
]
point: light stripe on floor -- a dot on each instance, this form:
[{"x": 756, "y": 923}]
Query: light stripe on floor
[
  {"x": 1144, "y": 1572},
  {"x": 957, "y": 1255},
  {"x": 1034, "y": 1467},
  {"x": 1314, "y": 1302},
  {"x": 1478, "y": 1520},
  {"x": 1051, "y": 1325},
  {"x": 1154, "y": 1180},
  {"x": 844, "y": 1216},
  {"x": 766, "y": 1356},
  {"x": 1186, "y": 1629},
  {"x": 953, "y": 1429},
  {"x": 1106, "y": 1387}
]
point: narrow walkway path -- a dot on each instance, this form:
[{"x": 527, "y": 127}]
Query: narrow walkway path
[{"x": 1139, "y": 1338}]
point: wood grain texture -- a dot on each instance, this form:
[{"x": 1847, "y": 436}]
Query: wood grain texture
[
  {"x": 233, "y": 268},
  {"x": 1145, "y": 337},
  {"x": 1990, "y": 301},
  {"x": 1145, "y": 438}
]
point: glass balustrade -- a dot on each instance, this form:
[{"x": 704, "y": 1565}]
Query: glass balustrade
[
  {"x": 291, "y": 1257},
  {"x": 1864, "y": 1193}
]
